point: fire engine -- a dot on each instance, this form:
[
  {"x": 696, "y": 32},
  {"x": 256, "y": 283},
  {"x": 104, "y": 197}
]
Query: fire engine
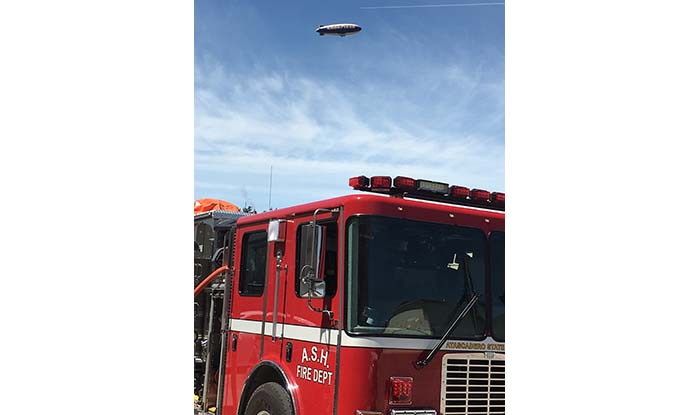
[{"x": 389, "y": 302}]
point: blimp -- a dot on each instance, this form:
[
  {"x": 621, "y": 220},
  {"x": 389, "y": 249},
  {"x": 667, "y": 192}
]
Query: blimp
[{"x": 338, "y": 29}]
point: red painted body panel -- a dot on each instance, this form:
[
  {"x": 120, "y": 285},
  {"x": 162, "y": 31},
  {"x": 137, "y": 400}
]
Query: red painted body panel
[
  {"x": 314, "y": 380},
  {"x": 363, "y": 372},
  {"x": 368, "y": 371}
]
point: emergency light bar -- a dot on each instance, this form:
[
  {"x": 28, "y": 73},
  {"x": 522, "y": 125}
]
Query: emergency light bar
[{"x": 402, "y": 186}]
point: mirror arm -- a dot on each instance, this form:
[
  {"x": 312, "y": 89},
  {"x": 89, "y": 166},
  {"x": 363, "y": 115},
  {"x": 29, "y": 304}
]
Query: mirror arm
[
  {"x": 318, "y": 310},
  {"x": 334, "y": 210},
  {"x": 309, "y": 281}
]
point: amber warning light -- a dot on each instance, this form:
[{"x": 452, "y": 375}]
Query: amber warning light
[{"x": 402, "y": 186}]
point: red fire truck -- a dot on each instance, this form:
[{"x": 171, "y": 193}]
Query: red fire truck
[{"x": 387, "y": 302}]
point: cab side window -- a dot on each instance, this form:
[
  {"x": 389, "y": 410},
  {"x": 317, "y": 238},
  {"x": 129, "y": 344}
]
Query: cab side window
[
  {"x": 253, "y": 262},
  {"x": 330, "y": 259}
]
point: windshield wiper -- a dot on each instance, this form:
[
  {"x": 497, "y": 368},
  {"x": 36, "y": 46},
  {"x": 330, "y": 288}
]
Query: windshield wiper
[
  {"x": 465, "y": 310},
  {"x": 470, "y": 285},
  {"x": 455, "y": 322}
]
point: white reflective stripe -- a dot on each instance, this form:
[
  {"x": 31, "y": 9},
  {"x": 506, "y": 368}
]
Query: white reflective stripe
[
  {"x": 287, "y": 331},
  {"x": 330, "y": 336},
  {"x": 254, "y": 327},
  {"x": 246, "y": 326},
  {"x": 311, "y": 334},
  {"x": 387, "y": 342}
]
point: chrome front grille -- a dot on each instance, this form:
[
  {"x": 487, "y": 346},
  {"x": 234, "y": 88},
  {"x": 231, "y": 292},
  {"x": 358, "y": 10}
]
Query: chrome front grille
[{"x": 473, "y": 383}]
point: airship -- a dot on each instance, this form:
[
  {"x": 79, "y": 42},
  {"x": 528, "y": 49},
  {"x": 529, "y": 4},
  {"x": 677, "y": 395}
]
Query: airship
[{"x": 338, "y": 29}]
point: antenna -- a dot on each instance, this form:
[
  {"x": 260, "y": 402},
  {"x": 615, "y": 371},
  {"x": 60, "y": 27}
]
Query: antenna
[{"x": 269, "y": 202}]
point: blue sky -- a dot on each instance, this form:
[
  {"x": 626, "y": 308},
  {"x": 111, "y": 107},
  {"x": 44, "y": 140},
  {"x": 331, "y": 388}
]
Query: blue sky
[{"x": 419, "y": 92}]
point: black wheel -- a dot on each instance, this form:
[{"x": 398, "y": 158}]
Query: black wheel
[{"x": 269, "y": 399}]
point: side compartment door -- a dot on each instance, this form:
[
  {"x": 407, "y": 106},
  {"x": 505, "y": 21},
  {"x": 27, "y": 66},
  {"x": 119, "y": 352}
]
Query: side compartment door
[{"x": 251, "y": 256}]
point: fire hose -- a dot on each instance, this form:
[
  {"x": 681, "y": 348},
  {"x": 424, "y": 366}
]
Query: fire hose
[{"x": 209, "y": 279}]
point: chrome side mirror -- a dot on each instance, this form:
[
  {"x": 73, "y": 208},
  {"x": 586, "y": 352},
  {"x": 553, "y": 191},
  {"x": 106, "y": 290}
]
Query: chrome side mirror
[
  {"x": 317, "y": 289},
  {"x": 310, "y": 260}
]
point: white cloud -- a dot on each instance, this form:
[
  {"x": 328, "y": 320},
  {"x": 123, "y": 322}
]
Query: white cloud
[{"x": 318, "y": 133}]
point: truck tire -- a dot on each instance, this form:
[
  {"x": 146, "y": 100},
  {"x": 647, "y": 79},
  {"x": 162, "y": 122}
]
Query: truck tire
[{"x": 269, "y": 399}]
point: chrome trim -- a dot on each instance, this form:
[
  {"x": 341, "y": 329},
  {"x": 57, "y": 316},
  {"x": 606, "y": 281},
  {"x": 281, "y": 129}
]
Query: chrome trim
[
  {"x": 413, "y": 412},
  {"x": 473, "y": 383},
  {"x": 278, "y": 368},
  {"x": 278, "y": 266}
]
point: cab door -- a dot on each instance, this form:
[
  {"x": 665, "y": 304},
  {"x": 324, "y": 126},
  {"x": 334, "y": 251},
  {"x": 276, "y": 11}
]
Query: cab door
[
  {"x": 274, "y": 297},
  {"x": 311, "y": 327}
]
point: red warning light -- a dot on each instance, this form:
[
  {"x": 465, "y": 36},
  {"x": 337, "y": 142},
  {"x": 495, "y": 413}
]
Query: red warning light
[
  {"x": 381, "y": 182},
  {"x": 499, "y": 198},
  {"x": 400, "y": 390},
  {"x": 482, "y": 195},
  {"x": 359, "y": 182},
  {"x": 404, "y": 183},
  {"x": 459, "y": 192}
]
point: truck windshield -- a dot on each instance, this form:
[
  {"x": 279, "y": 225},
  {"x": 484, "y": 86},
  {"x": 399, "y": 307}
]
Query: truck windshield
[
  {"x": 409, "y": 278},
  {"x": 498, "y": 296}
]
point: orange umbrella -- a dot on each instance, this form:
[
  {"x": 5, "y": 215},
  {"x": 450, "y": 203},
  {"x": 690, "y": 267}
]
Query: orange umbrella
[{"x": 205, "y": 205}]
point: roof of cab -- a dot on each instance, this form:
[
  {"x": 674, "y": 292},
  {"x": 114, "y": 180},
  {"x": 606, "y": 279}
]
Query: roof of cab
[{"x": 368, "y": 200}]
